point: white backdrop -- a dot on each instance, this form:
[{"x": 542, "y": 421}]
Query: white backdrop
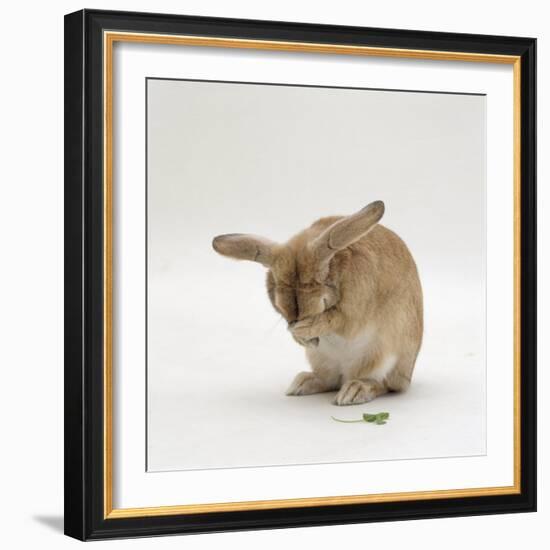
[
  {"x": 31, "y": 222},
  {"x": 269, "y": 160}
]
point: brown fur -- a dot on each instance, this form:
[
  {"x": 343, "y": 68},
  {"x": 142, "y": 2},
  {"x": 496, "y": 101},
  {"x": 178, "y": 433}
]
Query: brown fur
[{"x": 350, "y": 292}]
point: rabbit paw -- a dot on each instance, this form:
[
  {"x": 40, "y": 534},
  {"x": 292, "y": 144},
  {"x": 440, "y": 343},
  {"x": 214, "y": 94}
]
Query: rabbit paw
[
  {"x": 305, "y": 332},
  {"x": 355, "y": 392},
  {"x": 306, "y": 383},
  {"x": 313, "y": 343}
]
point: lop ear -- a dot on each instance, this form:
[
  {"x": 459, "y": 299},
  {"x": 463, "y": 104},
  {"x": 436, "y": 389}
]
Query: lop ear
[
  {"x": 245, "y": 247},
  {"x": 346, "y": 231}
]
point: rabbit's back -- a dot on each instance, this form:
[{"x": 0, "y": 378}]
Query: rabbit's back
[{"x": 380, "y": 286}]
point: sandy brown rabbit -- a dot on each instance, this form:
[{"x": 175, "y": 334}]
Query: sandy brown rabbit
[{"x": 349, "y": 290}]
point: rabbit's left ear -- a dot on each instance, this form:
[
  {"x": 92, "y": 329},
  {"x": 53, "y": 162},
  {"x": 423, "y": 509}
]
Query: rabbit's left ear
[
  {"x": 245, "y": 247},
  {"x": 346, "y": 231}
]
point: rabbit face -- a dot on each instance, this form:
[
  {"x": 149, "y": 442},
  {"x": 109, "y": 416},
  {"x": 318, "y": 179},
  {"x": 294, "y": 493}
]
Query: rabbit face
[
  {"x": 294, "y": 286},
  {"x": 296, "y": 304}
]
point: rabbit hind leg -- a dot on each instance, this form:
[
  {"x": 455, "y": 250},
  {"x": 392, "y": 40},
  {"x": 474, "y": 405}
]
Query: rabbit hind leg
[
  {"x": 365, "y": 381},
  {"x": 399, "y": 379},
  {"x": 357, "y": 391},
  {"x": 324, "y": 378}
]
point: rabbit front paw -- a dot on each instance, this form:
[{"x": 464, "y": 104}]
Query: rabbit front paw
[
  {"x": 314, "y": 342},
  {"x": 355, "y": 392},
  {"x": 305, "y": 332}
]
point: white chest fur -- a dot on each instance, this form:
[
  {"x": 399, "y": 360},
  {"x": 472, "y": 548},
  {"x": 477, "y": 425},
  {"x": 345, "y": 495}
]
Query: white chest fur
[
  {"x": 350, "y": 357},
  {"x": 347, "y": 352}
]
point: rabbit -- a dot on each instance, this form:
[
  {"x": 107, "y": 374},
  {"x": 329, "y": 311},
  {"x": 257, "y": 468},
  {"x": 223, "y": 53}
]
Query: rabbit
[{"x": 350, "y": 292}]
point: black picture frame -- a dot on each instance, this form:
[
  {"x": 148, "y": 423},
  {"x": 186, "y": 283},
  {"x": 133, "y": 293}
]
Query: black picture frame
[{"x": 84, "y": 276}]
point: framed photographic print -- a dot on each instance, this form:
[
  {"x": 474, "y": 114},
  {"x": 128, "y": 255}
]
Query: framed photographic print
[{"x": 300, "y": 274}]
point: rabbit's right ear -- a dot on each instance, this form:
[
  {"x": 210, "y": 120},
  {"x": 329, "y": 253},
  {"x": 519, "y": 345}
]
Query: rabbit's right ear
[
  {"x": 245, "y": 247},
  {"x": 346, "y": 231}
]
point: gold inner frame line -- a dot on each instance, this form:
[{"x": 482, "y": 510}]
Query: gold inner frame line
[{"x": 109, "y": 39}]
